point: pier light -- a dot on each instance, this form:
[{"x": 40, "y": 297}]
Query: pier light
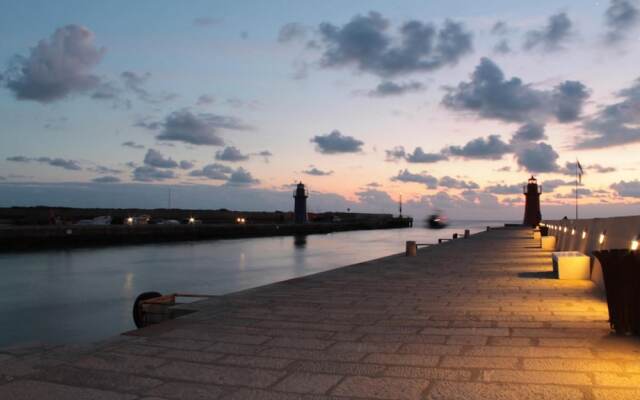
[
  {"x": 192, "y": 220},
  {"x": 584, "y": 234},
  {"x": 573, "y": 232},
  {"x": 634, "y": 243},
  {"x": 565, "y": 229},
  {"x": 603, "y": 235},
  {"x": 241, "y": 220},
  {"x": 130, "y": 221}
]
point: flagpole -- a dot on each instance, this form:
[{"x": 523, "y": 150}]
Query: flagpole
[{"x": 577, "y": 174}]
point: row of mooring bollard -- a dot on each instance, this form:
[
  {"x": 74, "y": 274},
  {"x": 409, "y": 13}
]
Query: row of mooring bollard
[{"x": 412, "y": 246}]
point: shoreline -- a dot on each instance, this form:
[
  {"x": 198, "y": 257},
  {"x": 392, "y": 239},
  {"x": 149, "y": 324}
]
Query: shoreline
[{"x": 30, "y": 238}]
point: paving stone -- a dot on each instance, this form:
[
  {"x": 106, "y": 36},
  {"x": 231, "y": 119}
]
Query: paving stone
[
  {"x": 339, "y": 368},
  {"x": 429, "y": 373},
  {"x": 313, "y": 344},
  {"x": 191, "y": 391},
  {"x": 256, "y": 394},
  {"x": 403, "y": 359},
  {"x": 470, "y": 340},
  {"x": 301, "y": 354},
  {"x": 194, "y": 356},
  {"x": 304, "y": 382},
  {"x": 490, "y": 391},
  {"x": 479, "y": 362},
  {"x": 255, "y": 361},
  {"x": 120, "y": 362},
  {"x": 381, "y": 388},
  {"x": 466, "y": 331},
  {"x": 585, "y": 365},
  {"x": 542, "y": 352},
  {"x": 430, "y": 349},
  {"x": 616, "y": 394},
  {"x": 31, "y": 390},
  {"x": 543, "y": 377},
  {"x": 217, "y": 374},
  {"x": 621, "y": 380},
  {"x": 98, "y": 379},
  {"x": 362, "y": 347}
]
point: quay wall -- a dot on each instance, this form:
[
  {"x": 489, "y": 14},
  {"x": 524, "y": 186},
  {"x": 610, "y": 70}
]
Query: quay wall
[
  {"x": 618, "y": 231},
  {"x": 17, "y": 238}
]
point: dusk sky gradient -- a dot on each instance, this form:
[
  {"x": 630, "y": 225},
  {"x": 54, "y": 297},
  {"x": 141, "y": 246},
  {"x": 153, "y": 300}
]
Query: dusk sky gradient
[{"x": 451, "y": 104}]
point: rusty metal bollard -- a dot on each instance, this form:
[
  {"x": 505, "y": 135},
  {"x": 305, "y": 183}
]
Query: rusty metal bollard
[
  {"x": 467, "y": 233},
  {"x": 412, "y": 248}
]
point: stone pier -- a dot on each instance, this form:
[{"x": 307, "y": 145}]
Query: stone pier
[{"x": 477, "y": 318}]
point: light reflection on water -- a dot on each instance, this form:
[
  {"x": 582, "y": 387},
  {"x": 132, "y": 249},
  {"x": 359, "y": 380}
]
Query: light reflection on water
[{"x": 85, "y": 295}]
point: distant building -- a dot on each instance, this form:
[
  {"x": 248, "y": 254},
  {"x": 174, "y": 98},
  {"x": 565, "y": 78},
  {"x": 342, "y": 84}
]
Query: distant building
[
  {"x": 300, "y": 210},
  {"x": 532, "y": 192}
]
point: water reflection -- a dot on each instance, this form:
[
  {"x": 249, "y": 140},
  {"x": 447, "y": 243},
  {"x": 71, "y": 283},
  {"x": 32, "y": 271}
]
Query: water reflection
[
  {"x": 300, "y": 241},
  {"x": 86, "y": 294}
]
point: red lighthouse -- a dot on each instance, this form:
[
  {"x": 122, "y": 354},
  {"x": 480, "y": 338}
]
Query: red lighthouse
[{"x": 532, "y": 192}]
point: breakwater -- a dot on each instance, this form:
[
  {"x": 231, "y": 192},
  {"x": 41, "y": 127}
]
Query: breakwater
[
  {"x": 15, "y": 238},
  {"x": 588, "y": 235}
]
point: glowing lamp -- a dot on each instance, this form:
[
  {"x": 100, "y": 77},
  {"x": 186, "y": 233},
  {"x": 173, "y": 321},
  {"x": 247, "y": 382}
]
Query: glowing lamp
[
  {"x": 565, "y": 229},
  {"x": 584, "y": 234},
  {"x": 603, "y": 235},
  {"x": 634, "y": 243},
  {"x": 130, "y": 221},
  {"x": 192, "y": 220},
  {"x": 573, "y": 232}
]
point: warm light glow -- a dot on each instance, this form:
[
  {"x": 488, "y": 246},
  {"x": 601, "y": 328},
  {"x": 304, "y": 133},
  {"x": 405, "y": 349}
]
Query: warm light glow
[
  {"x": 240, "y": 220},
  {"x": 192, "y": 220},
  {"x": 565, "y": 229},
  {"x": 634, "y": 245},
  {"x": 584, "y": 234},
  {"x": 573, "y": 232},
  {"x": 130, "y": 221},
  {"x": 601, "y": 238}
]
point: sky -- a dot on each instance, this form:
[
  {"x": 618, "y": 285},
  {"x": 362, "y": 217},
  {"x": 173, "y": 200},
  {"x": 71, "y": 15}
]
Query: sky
[{"x": 452, "y": 105}]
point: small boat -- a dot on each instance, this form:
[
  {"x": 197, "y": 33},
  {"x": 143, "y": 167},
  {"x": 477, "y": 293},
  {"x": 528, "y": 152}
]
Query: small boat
[{"x": 437, "y": 221}]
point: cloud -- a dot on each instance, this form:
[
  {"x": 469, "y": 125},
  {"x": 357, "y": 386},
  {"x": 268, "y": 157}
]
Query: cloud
[
  {"x": 232, "y": 154},
  {"x": 429, "y": 181},
  {"x": 213, "y": 171},
  {"x": 568, "y": 99},
  {"x": 106, "y": 179},
  {"x": 133, "y": 145},
  {"x": 206, "y": 21},
  {"x": 205, "y": 99},
  {"x": 335, "y": 143},
  {"x": 500, "y": 28},
  {"x": 316, "y": 172},
  {"x": 101, "y": 169},
  {"x": 491, "y": 148},
  {"x": 154, "y": 158},
  {"x": 389, "y": 88},
  {"x": 291, "y": 32},
  {"x": 502, "y": 47},
  {"x": 504, "y": 189},
  {"x": 537, "y": 157},
  {"x": 419, "y": 156},
  {"x": 550, "y": 37},
  {"x": 452, "y": 183},
  {"x": 241, "y": 177},
  {"x": 148, "y": 173},
  {"x": 197, "y": 129},
  {"x": 570, "y": 169},
  {"x": 530, "y": 132},
  {"x": 56, "y": 67},
  {"x": 366, "y": 44},
  {"x": 616, "y": 124},
  {"x": 70, "y": 165},
  {"x": 135, "y": 83},
  {"x": 184, "y": 164},
  {"x": 22, "y": 159},
  {"x": 621, "y": 17},
  {"x": 489, "y": 95},
  {"x": 395, "y": 154},
  {"x": 627, "y": 189}
]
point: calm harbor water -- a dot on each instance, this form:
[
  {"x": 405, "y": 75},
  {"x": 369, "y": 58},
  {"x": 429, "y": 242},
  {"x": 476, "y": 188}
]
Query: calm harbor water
[{"x": 83, "y": 295}]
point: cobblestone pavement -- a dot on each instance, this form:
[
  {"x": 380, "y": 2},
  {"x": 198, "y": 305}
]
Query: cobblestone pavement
[{"x": 477, "y": 318}]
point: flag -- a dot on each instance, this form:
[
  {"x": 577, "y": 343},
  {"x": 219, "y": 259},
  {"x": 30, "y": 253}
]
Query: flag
[{"x": 579, "y": 170}]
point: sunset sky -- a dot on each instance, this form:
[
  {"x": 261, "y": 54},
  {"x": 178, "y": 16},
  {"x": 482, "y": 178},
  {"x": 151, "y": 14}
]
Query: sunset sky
[{"x": 451, "y": 104}]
